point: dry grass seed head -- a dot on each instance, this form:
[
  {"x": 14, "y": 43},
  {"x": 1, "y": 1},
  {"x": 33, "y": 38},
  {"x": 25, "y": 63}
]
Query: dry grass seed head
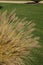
[{"x": 15, "y": 42}]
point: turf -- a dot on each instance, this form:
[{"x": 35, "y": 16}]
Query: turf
[{"x": 33, "y": 12}]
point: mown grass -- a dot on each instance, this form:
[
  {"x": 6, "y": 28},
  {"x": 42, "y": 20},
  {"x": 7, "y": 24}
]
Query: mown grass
[{"x": 33, "y": 12}]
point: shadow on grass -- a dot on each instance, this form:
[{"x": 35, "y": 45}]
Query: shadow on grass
[{"x": 1, "y": 7}]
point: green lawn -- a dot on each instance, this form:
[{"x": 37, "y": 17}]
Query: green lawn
[{"x": 33, "y": 12}]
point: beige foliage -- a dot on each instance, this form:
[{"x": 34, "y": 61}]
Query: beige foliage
[{"x": 15, "y": 38}]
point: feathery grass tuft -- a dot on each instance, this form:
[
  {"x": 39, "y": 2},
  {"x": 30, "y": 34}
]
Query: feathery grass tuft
[{"x": 16, "y": 39}]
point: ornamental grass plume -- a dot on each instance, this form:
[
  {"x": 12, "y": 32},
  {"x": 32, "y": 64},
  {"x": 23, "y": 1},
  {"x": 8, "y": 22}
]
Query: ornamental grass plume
[{"x": 16, "y": 39}]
